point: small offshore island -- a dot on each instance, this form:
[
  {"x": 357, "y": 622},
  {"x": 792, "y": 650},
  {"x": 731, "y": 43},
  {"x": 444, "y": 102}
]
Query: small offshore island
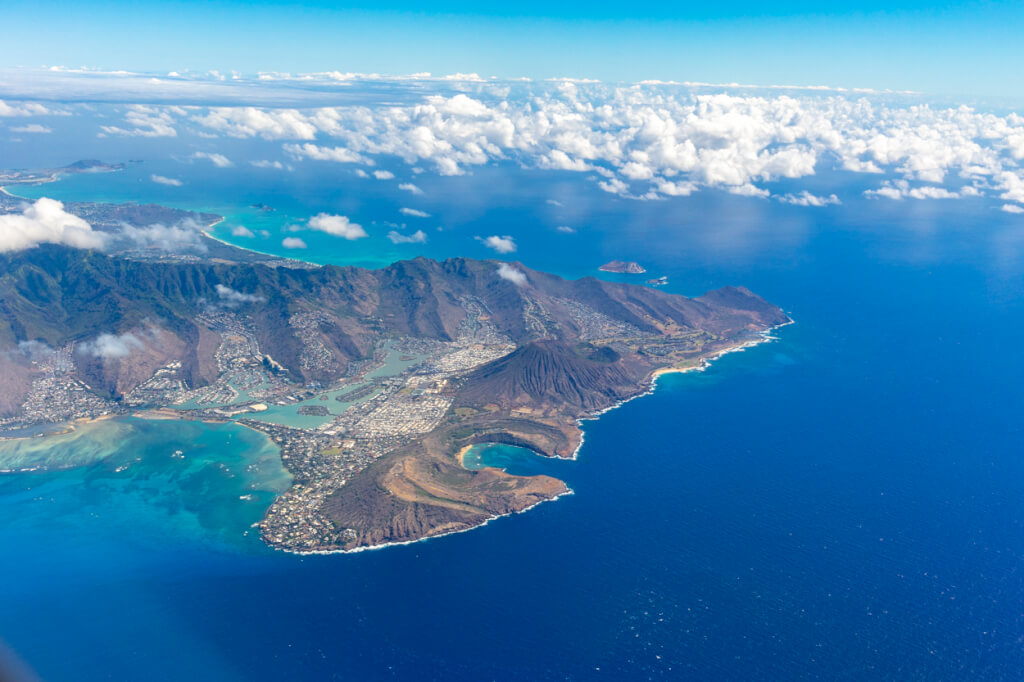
[
  {"x": 373, "y": 383},
  {"x": 623, "y": 267}
]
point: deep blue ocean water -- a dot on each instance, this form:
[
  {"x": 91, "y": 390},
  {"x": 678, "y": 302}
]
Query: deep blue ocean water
[{"x": 843, "y": 503}]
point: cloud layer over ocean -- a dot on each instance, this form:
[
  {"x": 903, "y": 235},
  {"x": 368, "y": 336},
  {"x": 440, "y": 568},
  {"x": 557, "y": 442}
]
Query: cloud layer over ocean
[{"x": 648, "y": 141}]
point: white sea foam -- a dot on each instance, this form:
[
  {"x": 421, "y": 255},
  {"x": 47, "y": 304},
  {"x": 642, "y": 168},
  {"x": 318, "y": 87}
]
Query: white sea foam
[
  {"x": 764, "y": 337},
  {"x": 385, "y": 545}
]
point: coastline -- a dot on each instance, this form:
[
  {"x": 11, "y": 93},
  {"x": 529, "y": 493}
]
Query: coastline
[
  {"x": 762, "y": 337},
  {"x": 646, "y": 386},
  {"x": 41, "y": 181},
  {"x": 62, "y": 428},
  {"x": 54, "y": 177},
  {"x": 385, "y": 545},
  {"x": 206, "y": 233},
  {"x": 461, "y": 455},
  {"x": 652, "y": 381}
]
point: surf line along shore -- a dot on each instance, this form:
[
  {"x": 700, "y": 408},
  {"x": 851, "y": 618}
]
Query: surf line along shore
[
  {"x": 675, "y": 330},
  {"x": 703, "y": 364},
  {"x": 700, "y": 366}
]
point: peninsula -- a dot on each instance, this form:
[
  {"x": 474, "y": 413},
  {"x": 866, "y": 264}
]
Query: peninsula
[{"x": 370, "y": 381}]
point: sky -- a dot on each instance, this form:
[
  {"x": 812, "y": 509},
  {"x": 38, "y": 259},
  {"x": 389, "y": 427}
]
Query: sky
[
  {"x": 647, "y": 103},
  {"x": 965, "y": 50}
]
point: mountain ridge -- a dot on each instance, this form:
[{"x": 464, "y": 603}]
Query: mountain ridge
[{"x": 512, "y": 358}]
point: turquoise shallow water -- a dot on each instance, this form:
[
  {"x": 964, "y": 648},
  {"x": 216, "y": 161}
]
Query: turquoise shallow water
[
  {"x": 142, "y": 483},
  {"x": 845, "y": 503},
  {"x": 514, "y": 460}
]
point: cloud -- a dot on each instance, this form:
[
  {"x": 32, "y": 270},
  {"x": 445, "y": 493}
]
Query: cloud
[
  {"x": 901, "y": 189},
  {"x": 31, "y": 128},
  {"x": 337, "y": 225},
  {"x": 1012, "y": 208},
  {"x": 337, "y": 154},
  {"x": 46, "y": 222},
  {"x": 219, "y": 160},
  {"x": 146, "y": 121},
  {"x": 34, "y": 350},
  {"x": 185, "y": 236},
  {"x": 161, "y": 180},
  {"x": 1012, "y": 185},
  {"x": 267, "y": 164},
  {"x": 473, "y": 77},
  {"x": 414, "y": 212},
  {"x": 553, "y": 202},
  {"x": 273, "y": 124},
  {"x": 383, "y": 175},
  {"x": 675, "y": 189},
  {"x": 565, "y": 229},
  {"x": 417, "y": 237},
  {"x": 409, "y": 187},
  {"x": 293, "y": 243},
  {"x": 614, "y": 186},
  {"x": 241, "y": 231},
  {"x": 805, "y": 198},
  {"x": 110, "y": 346},
  {"x": 504, "y": 244},
  {"x": 669, "y": 141},
  {"x": 232, "y": 296},
  {"x": 644, "y": 141},
  {"x": 507, "y": 272},
  {"x": 23, "y": 109}
]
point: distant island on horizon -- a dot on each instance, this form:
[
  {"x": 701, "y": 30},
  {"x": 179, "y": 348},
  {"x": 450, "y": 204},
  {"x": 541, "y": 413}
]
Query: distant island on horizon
[
  {"x": 394, "y": 372},
  {"x": 623, "y": 267}
]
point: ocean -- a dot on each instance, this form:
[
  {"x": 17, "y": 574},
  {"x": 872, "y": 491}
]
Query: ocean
[{"x": 845, "y": 502}]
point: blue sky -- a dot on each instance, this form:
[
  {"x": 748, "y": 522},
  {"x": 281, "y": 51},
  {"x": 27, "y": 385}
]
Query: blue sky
[{"x": 964, "y": 49}]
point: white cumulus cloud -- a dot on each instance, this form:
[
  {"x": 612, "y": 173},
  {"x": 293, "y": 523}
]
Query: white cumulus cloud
[
  {"x": 504, "y": 244},
  {"x": 805, "y": 198},
  {"x": 241, "y": 231},
  {"x": 218, "y": 160},
  {"x": 273, "y": 124},
  {"x": 181, "y": 237},
  {"x": 337, "y": 225},
  {"x": 293, "y": 243},
  {"x": 644, "y": 141},
  {"x": 507, "y": 272},
  {"x": 162, "y": 180},
  {"x": 230, "y": 295},
  {"x": 31, "y": 128},
  {"x": 312, "y": 151},
  {"x": 409, "y": 187},
  {"x": 415, "y": 213},
  {"x": 46, "y": 222},
  {"x": 901, "y": 189},
  {"x": 383, "y": 175},
  {"x": 417, "y": 237},
  {"x": 147, "y": 121},
  {"x": 111, "y": 346},
  {"x": 23, "y": 109}
]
